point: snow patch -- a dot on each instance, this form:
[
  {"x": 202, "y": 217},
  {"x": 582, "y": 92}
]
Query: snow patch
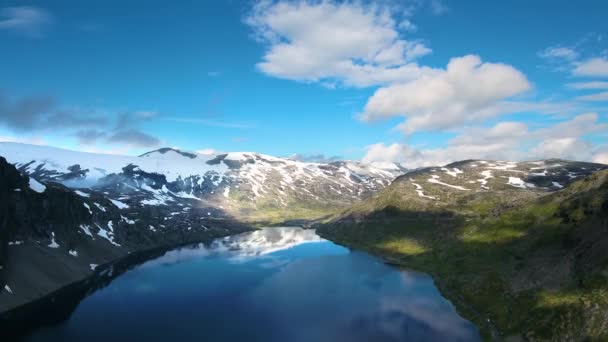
[
  {"x": 453, "y": 173},
  {"x": 87, "y": 230},
  {"x": 127, "y": 220},
  {"x": 544, "y": 173},
  {"x": 8, "y": 289},
  {"x": 435, "y": 180},
  {"x": 37, "y": 186},
  {"x": 82, "y": 194},
  {"x": 108, "y": 234},
  {"x": 88, "y": 208},
  {"x": 420, "y": 192},
  {"x": 519, "y": 183},
  {"x": 487, "y": 174},
  {"x": 100, "y": 207},
  {"x": 119, "y": 204},
  {"x": 53, "y": 244}
]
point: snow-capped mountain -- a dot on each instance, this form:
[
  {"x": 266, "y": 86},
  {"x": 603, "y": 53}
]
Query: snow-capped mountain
[
  {"x": 87, "y": 210},
  {"x": 487, "y": 183},
  {"x": 245, "y": 185}
]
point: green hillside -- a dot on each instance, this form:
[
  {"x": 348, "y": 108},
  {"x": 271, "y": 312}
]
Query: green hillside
[{"x": 522, "y": 262}]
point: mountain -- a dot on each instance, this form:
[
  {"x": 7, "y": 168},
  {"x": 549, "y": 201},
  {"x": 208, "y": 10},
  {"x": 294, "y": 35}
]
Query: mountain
[
  {"x": 251, "y": 187},
  {"x": 519, "y": 248},
  {"x": 67, "y": 216},
  {"x": 52, "y": 236}
]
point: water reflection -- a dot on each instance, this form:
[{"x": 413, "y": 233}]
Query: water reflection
[
  {"x": 362, "y": 300},
  {"x": 243, "y": 246},
  {"x": 276, "y": 284}
]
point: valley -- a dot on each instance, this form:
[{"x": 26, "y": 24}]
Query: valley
[
  {"x": 68, "y": 215},
  {"x": 518, "y": 247}
]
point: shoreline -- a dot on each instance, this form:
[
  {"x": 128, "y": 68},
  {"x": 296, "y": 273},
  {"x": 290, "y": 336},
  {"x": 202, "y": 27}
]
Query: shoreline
[
  {"x": 56, "y": 306},
  {"x": 487, "y": 330}
]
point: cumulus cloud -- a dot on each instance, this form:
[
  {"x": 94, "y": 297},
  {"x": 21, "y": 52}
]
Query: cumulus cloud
[
  {"x": 360, "y": 45},
  {"x": 595, "y": 67},
  {"x": 567, "y": 148},
  {"x": 465, "y": 91},
  {"x": 350, "y": 43},
  {"x": 503, "y": 141},
  {"x": 28, "y": 20}
]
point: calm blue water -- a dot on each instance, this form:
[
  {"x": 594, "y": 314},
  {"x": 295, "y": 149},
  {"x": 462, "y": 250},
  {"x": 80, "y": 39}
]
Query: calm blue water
[{"x": 277, "y": 284}]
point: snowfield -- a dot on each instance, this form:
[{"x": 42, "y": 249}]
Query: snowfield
[{"x": 197, "y": 176}]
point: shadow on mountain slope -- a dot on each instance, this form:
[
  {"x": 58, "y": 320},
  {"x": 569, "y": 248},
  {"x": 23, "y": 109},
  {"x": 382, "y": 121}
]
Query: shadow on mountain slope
[{"x": 536, "y": 270}]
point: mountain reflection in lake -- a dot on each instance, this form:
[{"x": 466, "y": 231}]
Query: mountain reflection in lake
[{"x": 275, "y": 284}]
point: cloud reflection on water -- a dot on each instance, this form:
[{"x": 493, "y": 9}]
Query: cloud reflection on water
[{"x": 243, "y": 247}]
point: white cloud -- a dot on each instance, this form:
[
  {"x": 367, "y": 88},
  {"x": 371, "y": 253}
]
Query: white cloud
[
  {"x": 575, "y": 127},
  {"x": 566, "y": 148},
  {"x": 558, "y": 52},
  {"x": 603, "y": 96},
  {"x": 588, "y": 85},
  {"x": 410, "y": 157},
  {"x": 465, "y": 91},
  {"x": 601, "y": 158},
  {"x": 390, "y": 153},
  {"x": 503, "y": 141},
  {"x": 28, "y": 20},
  {"x": 354, "y": 44},
  {"x": 597, "y": 67},
  {"x": 350, "y": 43}
]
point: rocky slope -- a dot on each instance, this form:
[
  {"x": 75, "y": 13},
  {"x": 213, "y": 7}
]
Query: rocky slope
[
  {"x": 520, "y": 248},
  {"x": 249, "y": 186},
  {"x": 51, "y": 236}
]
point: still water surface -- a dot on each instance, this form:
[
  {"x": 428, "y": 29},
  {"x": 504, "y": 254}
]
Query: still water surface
[{"x": 276, "y": 284}]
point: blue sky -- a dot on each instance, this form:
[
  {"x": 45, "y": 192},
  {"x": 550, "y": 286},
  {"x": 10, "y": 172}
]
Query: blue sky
[{"x": 418, "y": 82}]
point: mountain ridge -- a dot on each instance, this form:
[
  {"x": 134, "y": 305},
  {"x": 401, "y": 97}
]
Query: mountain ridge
[
  {"x": 239, "y": 183},
  {"x": 524, "y": 259}
]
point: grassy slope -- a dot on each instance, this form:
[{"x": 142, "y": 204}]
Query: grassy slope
[
  {"x": 269, "y": 211},
  {"x": 534, "y": 267}
]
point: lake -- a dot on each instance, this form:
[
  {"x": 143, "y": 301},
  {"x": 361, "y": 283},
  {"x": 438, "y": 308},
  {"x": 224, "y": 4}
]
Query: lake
[{"x": 275, "y": 284}]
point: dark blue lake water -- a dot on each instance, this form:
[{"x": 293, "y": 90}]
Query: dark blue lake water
[{"x": 276, "y": 284}]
